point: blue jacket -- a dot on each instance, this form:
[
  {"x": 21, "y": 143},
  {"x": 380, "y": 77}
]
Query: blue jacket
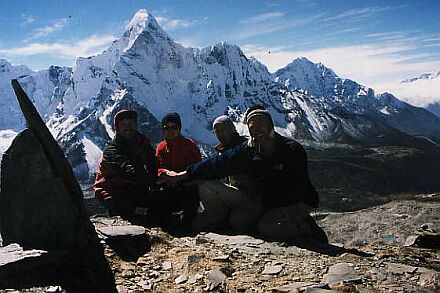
[{"x": 281, "y": 180}]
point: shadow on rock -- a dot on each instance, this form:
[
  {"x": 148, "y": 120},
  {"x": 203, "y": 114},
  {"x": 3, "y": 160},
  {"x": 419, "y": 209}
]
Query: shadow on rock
[{"x": 326, "y": 248}]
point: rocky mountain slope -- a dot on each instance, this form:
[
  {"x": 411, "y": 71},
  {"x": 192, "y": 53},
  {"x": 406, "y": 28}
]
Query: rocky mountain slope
[
  {"x": 372, "y": 250},
  {"x": 434, "y": 108}
]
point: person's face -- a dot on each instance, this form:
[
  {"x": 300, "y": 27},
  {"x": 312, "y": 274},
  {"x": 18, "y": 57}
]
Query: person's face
[
  {"x": 170, "y": 131},
  {"x": 223, "y": 133},
  {"x": 126, "y": 128},
  {"x": 260, "y": 128}
]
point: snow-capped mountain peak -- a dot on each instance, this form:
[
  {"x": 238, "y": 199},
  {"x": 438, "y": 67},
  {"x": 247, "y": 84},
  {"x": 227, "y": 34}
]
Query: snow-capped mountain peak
[
  {"x": 304, "y": 74},
  {"x": 141, "y": 23},
  {"x": 147, "y": 71}
]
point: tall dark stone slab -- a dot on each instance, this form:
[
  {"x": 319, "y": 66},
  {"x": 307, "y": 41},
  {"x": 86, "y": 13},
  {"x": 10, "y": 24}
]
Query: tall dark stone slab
[
  {"x": 41, "y": 205},
  {"x": 36, "y": 209}
]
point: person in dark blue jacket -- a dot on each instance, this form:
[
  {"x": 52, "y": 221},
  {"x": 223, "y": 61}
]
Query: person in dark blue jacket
[
  {"x": 227, "y": 202},
  {"x": 278, "y": 166}
]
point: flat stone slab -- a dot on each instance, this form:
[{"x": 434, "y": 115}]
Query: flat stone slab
[
  {"x": 14, "y": 252},
  {"x": 167, "y": 265},
  {"x": 118, "y": 231},
  {"x": 294, "y": 287},
  {"x": 21, "y": 268},
  {"x": 129, "y": 241},
  {"x": 235, "y": 239},
  {"x": 400, "y": 269},
  {"x": 220, "y": 258},
  {"x": 341, "y": 272},
  {"x": 181, "y": 279},
  {"x": 319, "y": 290},
  {"x": 272, "y": 270}
]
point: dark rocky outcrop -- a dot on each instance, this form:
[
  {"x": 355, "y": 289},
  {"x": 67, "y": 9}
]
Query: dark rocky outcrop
[{"x": 42, "y": 208}]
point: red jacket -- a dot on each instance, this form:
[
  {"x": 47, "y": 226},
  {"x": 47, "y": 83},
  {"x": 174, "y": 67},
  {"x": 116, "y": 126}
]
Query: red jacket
[
  {"x": 123, "y": 167},
  {"x": 177, "y": 154}
]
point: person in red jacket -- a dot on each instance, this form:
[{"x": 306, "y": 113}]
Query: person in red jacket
[
  {"x": 127, "y": 169},
  {"x": 174, "y": 154}
]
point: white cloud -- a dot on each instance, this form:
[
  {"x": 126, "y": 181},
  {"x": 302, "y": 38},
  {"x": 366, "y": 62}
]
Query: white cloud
[
  {"x": 85, "y": 47},
  {"x": 266, "y": 27},
  {"x": 360, "y": 14},
  {"x": 435, "y": 39},
  {"x": 379, "y": 67},
  {"x": 261, "y": 17},
  {"x": 27, "y": 19},
  {"x": 47, "y": 30},
  {"x": 419, "y": 93},
  {"x": 169, "y": 24}
]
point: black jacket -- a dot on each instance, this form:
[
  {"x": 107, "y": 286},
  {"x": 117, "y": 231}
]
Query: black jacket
[{"x": 281, "y": 180}]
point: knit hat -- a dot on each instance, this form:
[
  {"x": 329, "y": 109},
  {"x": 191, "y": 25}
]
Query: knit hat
[
  {"x": 224, "y": 120},
  {"x": 172, "y": 117},
  {"x": 125, "y": 114},
  {"x": 257, "y": 111}
]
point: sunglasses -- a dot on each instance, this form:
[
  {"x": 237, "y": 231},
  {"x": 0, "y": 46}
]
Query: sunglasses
[{"x": 170, "y": 127}]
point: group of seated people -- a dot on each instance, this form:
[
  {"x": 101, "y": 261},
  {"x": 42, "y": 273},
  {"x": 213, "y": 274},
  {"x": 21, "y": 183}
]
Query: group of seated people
[{"x": 257, "y": 185}]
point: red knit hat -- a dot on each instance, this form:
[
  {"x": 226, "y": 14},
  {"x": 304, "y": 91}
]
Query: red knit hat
[{"x": 125, "y": 114}]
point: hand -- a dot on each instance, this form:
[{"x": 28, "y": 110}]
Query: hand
[
  {"x": 168, "y": 173},
  {"x": 171, "y": 178}
]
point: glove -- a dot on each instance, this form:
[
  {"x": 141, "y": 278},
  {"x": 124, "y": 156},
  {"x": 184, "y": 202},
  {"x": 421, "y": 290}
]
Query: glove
[{"x": 110, "y": 206}]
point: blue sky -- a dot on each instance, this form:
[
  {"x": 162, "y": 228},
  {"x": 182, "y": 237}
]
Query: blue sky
[{"x": 377, "y": 43}]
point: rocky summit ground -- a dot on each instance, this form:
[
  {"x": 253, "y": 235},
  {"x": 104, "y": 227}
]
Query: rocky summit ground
[{"x": 372, "y": 250}]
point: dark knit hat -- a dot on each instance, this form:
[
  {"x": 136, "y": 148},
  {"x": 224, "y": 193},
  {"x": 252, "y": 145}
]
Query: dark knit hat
[
  {"x": 257, "y": 110},
  {"x": 125, "y": 114},
  {"x": 172, "y": 117},
  {"x": 224, "y": 120}
]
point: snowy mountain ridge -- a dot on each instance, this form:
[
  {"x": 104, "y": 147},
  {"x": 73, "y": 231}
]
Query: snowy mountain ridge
[
  {"x": 422, "y": 76},
  {"x": 147, "y": 71},
  {"x": 422, "y": 88}
]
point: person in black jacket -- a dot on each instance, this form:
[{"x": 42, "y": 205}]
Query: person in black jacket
[
  {"x": 127, "y": 170},
  {"x": 278, "y": 166}
]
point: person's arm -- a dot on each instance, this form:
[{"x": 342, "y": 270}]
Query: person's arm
[
  {"x": 228, "y": 163},
  {"x": 304, "y": 189},
  {"x": 151, "y": 165}
]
